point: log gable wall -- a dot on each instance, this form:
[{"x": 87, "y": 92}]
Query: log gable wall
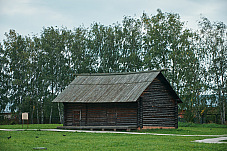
[{"x": 160, "y": 109}]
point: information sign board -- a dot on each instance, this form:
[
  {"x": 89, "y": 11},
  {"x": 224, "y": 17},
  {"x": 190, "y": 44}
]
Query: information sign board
[{"x": 24, "y": 116}]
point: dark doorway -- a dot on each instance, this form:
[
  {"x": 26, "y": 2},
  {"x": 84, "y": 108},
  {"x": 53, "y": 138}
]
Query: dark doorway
[
  {"x": 111, "y": 116},
  {"x": 76, "y": 118}
]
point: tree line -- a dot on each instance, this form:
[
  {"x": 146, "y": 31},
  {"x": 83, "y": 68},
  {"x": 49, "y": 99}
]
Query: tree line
[{"x": 35, "y": 69}]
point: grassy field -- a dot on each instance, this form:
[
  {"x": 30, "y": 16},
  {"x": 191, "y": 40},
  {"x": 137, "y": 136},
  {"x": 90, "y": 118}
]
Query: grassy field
[
  {"x": 27, "y": 140},
  {"x": 193, "y": 129},
  {"x": 189, "y": 131},
  {"x": 30, "y": 126},
  {"x": 184, "y": 128}
]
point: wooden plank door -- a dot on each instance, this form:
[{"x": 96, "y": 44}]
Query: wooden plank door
[
  {"x": 76, "y": 118},
  {"x": 111, "y": 116}
]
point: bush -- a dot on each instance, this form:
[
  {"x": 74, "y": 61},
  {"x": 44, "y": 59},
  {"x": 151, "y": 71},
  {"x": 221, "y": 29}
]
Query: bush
[{"x": 212, "y": 125}]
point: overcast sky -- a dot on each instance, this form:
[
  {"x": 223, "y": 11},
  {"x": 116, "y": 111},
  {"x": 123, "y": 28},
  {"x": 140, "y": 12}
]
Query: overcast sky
[{"x": 29, "y": 16}]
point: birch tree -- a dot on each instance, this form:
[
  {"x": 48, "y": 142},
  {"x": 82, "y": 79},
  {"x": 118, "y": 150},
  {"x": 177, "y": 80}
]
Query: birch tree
[{"x": 214, "y": 44}]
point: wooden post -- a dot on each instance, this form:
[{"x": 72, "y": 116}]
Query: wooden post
[
  {"x": 138, "y": 113},
  {"x": 27, "y": 124},
  {"x": 202, "y": 118},
  {"x": 141, "y": 112},
  {"x": 216, "y": 119}
]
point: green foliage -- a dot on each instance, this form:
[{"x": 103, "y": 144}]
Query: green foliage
[
  {"x": 34, "y": 70},
  {"x": 213, "y": 45},
  {"x": 212, "y": 125},
  {"x": 4, "y": 83},
  {"x": 30, "y": 126}
]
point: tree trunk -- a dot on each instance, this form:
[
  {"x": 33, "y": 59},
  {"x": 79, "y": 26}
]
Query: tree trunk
[
  {"x": 37, "y": 112},
  {"x": 20, "y": 112},
  {"x": 51, "y": 108},
  {"x": 42, "y": 112},
  {"x": 223, "y": 108},
  {"x": 223, "y": 96},
  {"x": 60, "y": 113},
  {"x": 32, "y": 113},
  {"x": 20, "y": 119}
]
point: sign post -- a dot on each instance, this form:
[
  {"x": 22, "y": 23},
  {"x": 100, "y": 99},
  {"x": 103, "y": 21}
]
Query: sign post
[{"x": 24, "y": 117}]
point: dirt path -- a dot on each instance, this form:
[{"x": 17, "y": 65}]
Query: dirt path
[{"x": 212, "y": 140}]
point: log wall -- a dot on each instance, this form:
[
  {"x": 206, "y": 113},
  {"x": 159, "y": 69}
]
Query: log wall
[
  {"x": 160, "y": 109},
  {"x": 101, "y": 114}
]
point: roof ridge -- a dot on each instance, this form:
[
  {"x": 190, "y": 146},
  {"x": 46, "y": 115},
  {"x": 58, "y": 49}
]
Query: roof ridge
[
  {"x": 118, "y": 73},
  {"x": 114, "y": 83}
]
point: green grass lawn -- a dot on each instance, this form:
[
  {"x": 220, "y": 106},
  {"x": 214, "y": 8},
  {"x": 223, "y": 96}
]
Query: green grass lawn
[
  {"x": 184, "y": 128},
  {"x": 189, "y": 131},
  {"x": 30, "y": 126},
  {"x": 26, "y": 140}
]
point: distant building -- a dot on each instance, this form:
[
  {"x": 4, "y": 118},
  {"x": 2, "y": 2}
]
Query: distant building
[{"x": 6, "y": 115}]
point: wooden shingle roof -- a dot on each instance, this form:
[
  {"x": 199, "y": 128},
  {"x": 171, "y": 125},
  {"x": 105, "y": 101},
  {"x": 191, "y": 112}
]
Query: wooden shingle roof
[{"x": 99, "y": 88}]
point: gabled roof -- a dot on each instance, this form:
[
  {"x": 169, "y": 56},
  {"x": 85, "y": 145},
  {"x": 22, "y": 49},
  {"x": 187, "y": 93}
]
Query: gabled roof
[{"x": 99, "y": 88}]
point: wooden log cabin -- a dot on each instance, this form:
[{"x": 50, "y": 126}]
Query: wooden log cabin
[{"x": 138, "y": 100}]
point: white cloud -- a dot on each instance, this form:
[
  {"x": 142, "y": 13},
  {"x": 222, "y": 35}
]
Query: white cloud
[
  {"x": 27, "y": 8},
  {"x": 26, "y": 16},
  {"x": 15, "y": 7}
]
